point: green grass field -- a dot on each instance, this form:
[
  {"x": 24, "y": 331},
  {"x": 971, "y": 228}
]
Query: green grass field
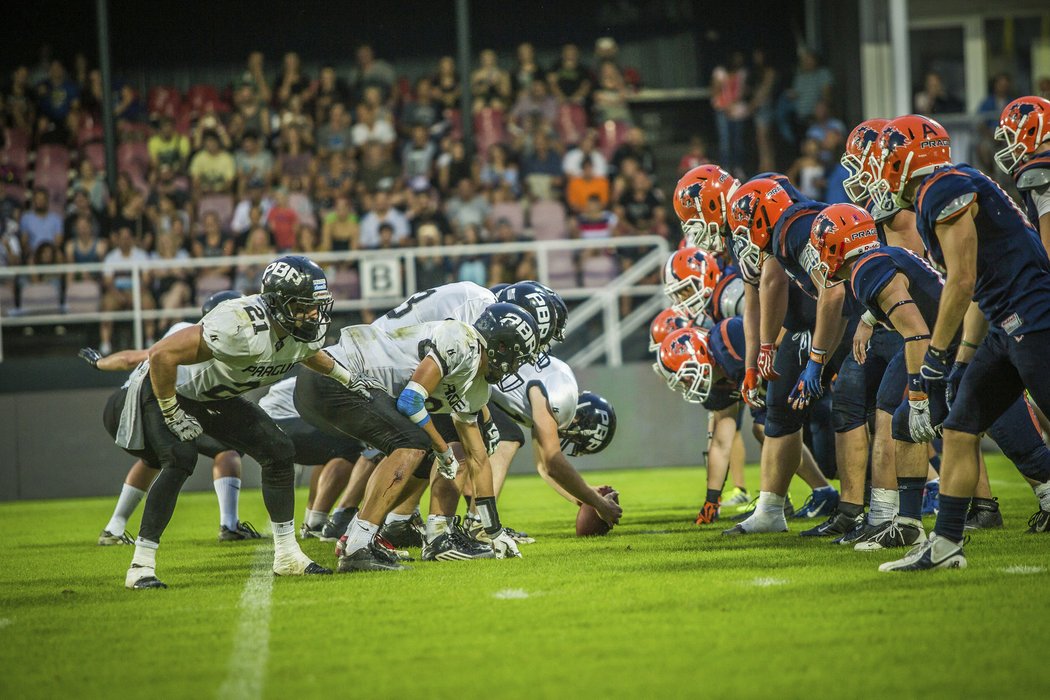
[{"x": 658, "y": 608}]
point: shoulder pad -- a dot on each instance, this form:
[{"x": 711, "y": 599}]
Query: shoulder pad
[
  {"x": 955, "y": 206},
  {"x": 1034, "y": 178}
]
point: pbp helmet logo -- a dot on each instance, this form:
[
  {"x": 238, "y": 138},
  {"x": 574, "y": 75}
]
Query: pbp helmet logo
[
  {"x": 523, "y": 329},
  {"x": 283, "y": 270},
  {"x": 689, "y": 195}
]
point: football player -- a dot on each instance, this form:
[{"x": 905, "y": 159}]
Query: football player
[
  {"x": 242, "y": 344},
  {"x": 1024, "y": 129},
  {"x": 902, "y": 291},
  {"x": 437, "y": 367},
  {"x": 226, "y": 469},
  {"x": 993, "y": 256}
]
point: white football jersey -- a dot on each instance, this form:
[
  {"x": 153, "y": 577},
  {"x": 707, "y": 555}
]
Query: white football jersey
[
  {"x": 247, "y": 353},
  {"x": 387, "y": 361},
  {"x": 557, "y": 382},
  {"x": 279, "y": 401},
  {"x": 182, "y": 373},
  {"x": 460, "y": 301}
]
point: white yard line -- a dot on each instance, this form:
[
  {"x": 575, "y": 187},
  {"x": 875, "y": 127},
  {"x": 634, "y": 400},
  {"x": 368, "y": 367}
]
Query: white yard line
[{"x": 251, "y": 641}]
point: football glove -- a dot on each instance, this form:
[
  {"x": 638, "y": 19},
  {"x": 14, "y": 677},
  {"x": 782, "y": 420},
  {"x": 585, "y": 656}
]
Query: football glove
[
  {"x": 448, "y": 465},
  {"x": 504, "y": 545},
  {"x": 751, "y": 389},
  {"x": 491, "y": 434},
  {"x": 954, "y": 380},
  {"x": 767, "y": 353},
  {"x": 354, "y": 384},
  {"x": 919, "y": 423},
  {"x": 184, "y": 426},
  {"x": 808, "y": 387},
  {"x": 90, "y": 356},
  {"x": 934, "y": 365}
]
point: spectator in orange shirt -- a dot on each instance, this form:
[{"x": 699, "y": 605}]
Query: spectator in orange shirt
[{"x": 583, "y": 187}]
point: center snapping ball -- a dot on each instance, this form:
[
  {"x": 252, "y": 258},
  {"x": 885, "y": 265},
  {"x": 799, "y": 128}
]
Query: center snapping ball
[{"x": 587, "y": 521}]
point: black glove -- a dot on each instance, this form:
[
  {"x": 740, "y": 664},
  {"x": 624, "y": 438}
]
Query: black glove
[
  {"x": 90, "y": 356},
  {"x": 955, "y": 379},
  {"x": 491, "y": 434}
]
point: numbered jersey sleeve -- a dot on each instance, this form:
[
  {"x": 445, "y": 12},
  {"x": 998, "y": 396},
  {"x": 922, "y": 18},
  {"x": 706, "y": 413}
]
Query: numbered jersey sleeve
[
  {"x": 459, "y": 301},
  {"x": 237, "y": 331},
  {"x": 556, "y": 381}
]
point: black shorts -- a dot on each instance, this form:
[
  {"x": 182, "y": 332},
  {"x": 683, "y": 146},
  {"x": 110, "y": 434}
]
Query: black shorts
[
  {"x": 375, "y": 421},
  {"x": 856, "y": 388},
  {"x": 509, "y": 431},
  {"x": 313, "y": 447},
  {"x": 1001, "y": 369},
  {"x": 791, "y": 359}
]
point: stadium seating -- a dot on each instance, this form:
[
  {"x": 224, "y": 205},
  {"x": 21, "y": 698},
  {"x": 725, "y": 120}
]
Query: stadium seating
[
  {"x": 221, "y": 204},
  {"x": 52, "y": 173},
  {"x": 208, "y": 284},
  {"x": 96, "y": 153},
  {"x": 548, "y": 221},
  {"x": 599, "y": 270},
  {"x": 611, "y": 136},
  {"x": 15, "y": 151},
  {"x": 164, "y": 101},
  {"x": 344, "y": 283},
  {"x": 561, "y": 270},
  {"x": 512, "y": 212},
  {"x": 571, "y": 123},
  {"x": 40, "y": 298},
  {"x": 489, "y": 129},
  {"x": 82, "y": 297}
]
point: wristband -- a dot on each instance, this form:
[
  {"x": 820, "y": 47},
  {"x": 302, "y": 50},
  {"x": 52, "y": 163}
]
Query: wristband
[
  {"x": 915, "y": 383},
  {"x": 869, "y": 318},
  {"x": 917, "y": 396},
  {"x": 937, "y": 353},
  {"x": 168, "y": 403},
  {"x": 817, "y": 355},
  {"x": 340, "y": 373}
]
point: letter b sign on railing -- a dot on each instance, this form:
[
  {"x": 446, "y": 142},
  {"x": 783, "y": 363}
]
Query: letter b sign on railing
[{"x": 381, "y": 278}]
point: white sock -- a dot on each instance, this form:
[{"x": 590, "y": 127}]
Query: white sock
[
  {"x": 284, "y": 537},
  {"x": 359, "y": 534},
  {"x": 228, "y": 491},
  {"x": 315, "y": 518},
  {"x": 127, "y": 502},
  {"x": 145, "y": 554},
  {"x": 397, "y": 518},
  {"x": 1042, "y": 492},
  {"x": 770, "y": 505},
  {"x": 884, "y": 505},
  {"x": 829, "y": 487},
  {"x": 436, "y": 525}
]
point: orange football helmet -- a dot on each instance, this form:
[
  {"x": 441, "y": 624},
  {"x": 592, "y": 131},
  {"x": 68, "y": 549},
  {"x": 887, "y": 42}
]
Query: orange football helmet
[
  {"x": 665, "y": 323},
  {"x": 840, "y": 232},
  {"x": 855, "y": 160},
  {"x": 700, "y": 199},
  {"x": 690, "y": 278},
  {"x": 685, "y": 363},
  {"x": 1023, "y": 126},
  {"x": 910, "y": 146},
  {"x": 754, "y": 210}
]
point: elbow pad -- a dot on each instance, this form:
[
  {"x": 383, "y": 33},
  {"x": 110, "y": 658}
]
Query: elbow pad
[{"x": 410, "y": 403}]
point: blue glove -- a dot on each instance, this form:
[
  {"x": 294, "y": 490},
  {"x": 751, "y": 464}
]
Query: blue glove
[
  {"x": 934, "y": 365},
  {"x": 954, "y": 380},
  {"x": 808, "y": 388}
]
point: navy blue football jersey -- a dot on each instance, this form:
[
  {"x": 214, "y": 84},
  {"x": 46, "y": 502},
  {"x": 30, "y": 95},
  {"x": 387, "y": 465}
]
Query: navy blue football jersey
[
  {"x": 1013, "y": 272},
  {"x": 726, "y": 343},
  {"x": 789, "y": 239},
  {"x": 873, "y": 270},
  {"x": 1031, "y": 179},
  {"x": 784, "y": 182}
]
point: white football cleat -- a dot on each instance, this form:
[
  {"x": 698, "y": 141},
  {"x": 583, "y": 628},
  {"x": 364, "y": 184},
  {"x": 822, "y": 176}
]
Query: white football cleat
[
  {"x": 296, "y": 563},
  {"x": 139, "y": 577},
  {"x": 935, "y": 553}
]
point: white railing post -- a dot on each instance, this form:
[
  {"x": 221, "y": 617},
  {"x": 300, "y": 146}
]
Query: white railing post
[
  {"x": 410, "y": 272},
  {"x": 611, "y": 326},
  {"x": 136, "y": 303},
  {"x": 543, "y": 266}
]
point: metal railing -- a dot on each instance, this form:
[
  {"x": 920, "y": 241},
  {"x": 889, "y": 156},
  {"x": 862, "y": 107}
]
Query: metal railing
[{"x": 595, "y": 300}]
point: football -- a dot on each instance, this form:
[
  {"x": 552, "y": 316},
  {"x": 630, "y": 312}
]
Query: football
[{"x": 588, "y": 523}]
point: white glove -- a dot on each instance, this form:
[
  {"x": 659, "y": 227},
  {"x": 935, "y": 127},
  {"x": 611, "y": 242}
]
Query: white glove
[
  {"x": 448, "y": 465},
  {"x": 354, "y": 384},
  {"x": 492, "y": 437},
  {"x": 184, "y": 426},
  {"x": 504, "y": 545},
  {"x": 919, "y": 423}
]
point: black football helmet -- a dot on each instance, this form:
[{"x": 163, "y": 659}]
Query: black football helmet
[
  {"x": 537, "y": 301},
  {"x": 510, "y": 335},
  {"x": 497, "y": 288},
  {"x": 217, "y": 298},
  {"x": 592, "y": 428},
  {"x": 296, "y": 291},
  {"x": 561, "y": 312}
]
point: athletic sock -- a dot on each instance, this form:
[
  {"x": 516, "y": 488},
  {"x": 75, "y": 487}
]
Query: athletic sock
[
  {"x": 284, "y": 538},
  {"x": 935, "y": 462},
  {"x": 359, "y": 534},
  {"x": 850, "y": 510},
  {"x": 951, "y": 518},
  {"x": 714, "y": 495},
  {"x": 127, "y": 502},
  {"x": 397, "y": 518},
  {"x": 315, "y": 518},
  {"x": 145, "y": 554},
  {"x": 436, "y": 525},
  {"x": 1042, "y": 492},
  {"x": 910, "y": 490},
  {"x": 468, "y": 501},
  {"x": 228, "y": 491},
  {"x": 769, "y": 513},
  {"x": 883, "y": 505}
]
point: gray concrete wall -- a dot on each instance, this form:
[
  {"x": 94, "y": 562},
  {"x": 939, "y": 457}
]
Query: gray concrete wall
[{"x": 53, "y": 445}]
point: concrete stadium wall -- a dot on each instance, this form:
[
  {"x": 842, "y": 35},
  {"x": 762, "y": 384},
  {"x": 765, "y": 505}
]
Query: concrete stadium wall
[{"x": 53, "y": 445}]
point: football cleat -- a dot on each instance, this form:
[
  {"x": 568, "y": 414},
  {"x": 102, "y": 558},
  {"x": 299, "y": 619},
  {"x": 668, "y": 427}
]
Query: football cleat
[
  {"x": 984, "y": 514},
  {"x": 141, "y": 577},
  {"x": 1040, "y": 522},
  {"x": 821, "y": 503},
  {"x": 836, "y": 525},
  {"x": 453, "y": 544},
  {"x": 931, "y": 497},
  {"x": 332, "y": 531},
  {"x": 708, "y": 514},
  {"x": 935, "y": 553},
  {"x": 473, "y": 526},
  {"x": 108, "y": 539},
  {"x": 899, "y": 532},
  {"x": 244, "y": 531},
  {"x": 404, "y": 533},
  {"x": 296, "y": 563},
  {"x": 306, "y": 532},
  {"x": 737, "y": 497},
  {"x": 370, "y": 558},
  {"x": 747, "y": 510},
  {"x": 860, "y": 532},
  {"x": 389, "y": 549},
  {"x": 753, "y": 527}
]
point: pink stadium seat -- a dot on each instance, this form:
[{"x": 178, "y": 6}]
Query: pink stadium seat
[
  {"x": 548, "y": 220},
  {"x": 198, "y": 97},
  {"x": 209, "y": 284},
  {"x": 561, "y": 270},
  {"x": 40, "y": 298},
  {"x": 599, "y": 270},
  {"x": 96, "y": 153},
  {"x": 489, "y": 129},
  {"x": 52, "y": 173},
  {"x": 455, "y": 120},
  {"x": 15, "y": 152},
  {"x": 89, "y": 131},
  {"x": 221, "y": 204},
  {"x": 512, "y": 212},
  {"x": 7, "y": 297},
  {"x": 610, "y": 136},
  {"x": 164, "y": 101},
  {"x": 133, "y": 158},
  {"x": 83, "y": 297},
  {"x": 303, "y": 207},
  {"x": 571, "y": 123},
  {"x": 344, "y": 283}
]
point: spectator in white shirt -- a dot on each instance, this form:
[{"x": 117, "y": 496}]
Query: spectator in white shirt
[
  {"x": 572, "y": 163},
  {"x": 382, "y": 213}
]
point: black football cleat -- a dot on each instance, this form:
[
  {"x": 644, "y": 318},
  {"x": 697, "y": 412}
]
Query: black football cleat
[
  {"x": 859, "y": 533},
  {"x": 835, "y": 526},
  {"x": 244, "y": 531},
  {"x": 1040, "y": 522},
  {"x": 108, "y": 539},
  {"x": 141, "y": 578},
  {"x": 331, "y": 531},
  {"x": 984, "y": 514},
  {"x": 369, "y": 559},
  {"x": 404, "y": 533},
  {"x": 454, "y": 545}
]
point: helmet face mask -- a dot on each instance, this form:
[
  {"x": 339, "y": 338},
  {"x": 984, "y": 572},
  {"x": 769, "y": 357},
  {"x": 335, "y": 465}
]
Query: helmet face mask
[
  {"x": 1024, "y": 125},
  {"x": 856, "y": 159},
  {"x": 685, "y": 364},
  {"x": 296, "y": 291},
  {"x": 537, "y": 301},
  {"x": 592, "y": 428},
  {"x": 690, "y": 278},
  {"x": 700, "y": 202}
]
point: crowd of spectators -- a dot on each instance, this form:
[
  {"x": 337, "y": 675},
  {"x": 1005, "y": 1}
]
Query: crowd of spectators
[{"x": 289, "y": 161}]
